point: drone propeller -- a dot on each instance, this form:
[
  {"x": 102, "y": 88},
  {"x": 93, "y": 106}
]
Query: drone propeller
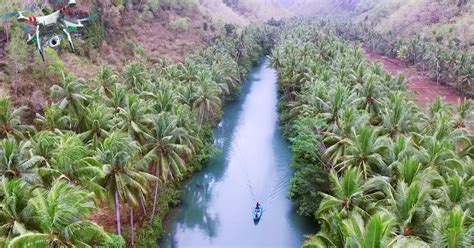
[
  {"x": 59, "y": 4},
  {"x": 29, "y": 9}
]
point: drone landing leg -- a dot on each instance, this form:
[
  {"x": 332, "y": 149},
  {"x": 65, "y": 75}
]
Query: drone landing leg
[
  {"x": 39, "y": 42},
  {"x": 69, "y": 39}
]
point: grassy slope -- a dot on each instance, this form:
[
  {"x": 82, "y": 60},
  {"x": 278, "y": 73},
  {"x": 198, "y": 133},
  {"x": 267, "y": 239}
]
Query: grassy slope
[{"x": 243, "y": 12}]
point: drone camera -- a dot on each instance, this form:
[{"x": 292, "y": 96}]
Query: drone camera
[{"x": 55, "y": 41}]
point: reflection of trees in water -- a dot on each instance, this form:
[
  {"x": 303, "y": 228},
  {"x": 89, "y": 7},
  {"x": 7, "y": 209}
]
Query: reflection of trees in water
[
  {"x": 198, "y": 192},
  {"x": 196, "y": 214}
]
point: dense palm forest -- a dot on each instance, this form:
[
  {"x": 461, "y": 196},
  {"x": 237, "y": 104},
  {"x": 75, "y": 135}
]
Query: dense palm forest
[
  {"x": 120, "y": 142},
  {"x": 372, "y": 167}
]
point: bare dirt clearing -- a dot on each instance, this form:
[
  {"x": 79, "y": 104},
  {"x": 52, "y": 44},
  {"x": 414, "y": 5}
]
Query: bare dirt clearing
[{"x": 425, "y": 89}]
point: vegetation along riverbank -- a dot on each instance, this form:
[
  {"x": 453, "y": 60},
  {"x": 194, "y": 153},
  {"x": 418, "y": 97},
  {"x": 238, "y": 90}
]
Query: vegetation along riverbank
[{"x": 371, "y": 166}]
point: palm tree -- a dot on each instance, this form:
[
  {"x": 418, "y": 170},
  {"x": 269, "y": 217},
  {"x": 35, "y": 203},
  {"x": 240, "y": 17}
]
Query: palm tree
[
  {"x": 401, "y": 149},
  {"x": 136, "y": 76},
  {"x": 134, "y": 118},
  {"x": 71, "y": 95},
  {"x": 16, "y": 161},
  {"x": 331, "y": 233},
  {"x": 207, "y": 103},
  {"x": 338, "y": 97},
  {"x": 369, "y": 95},
  {"x": 117, "y": 98},
  {"x": 98, "y": 122},
  {"x": 125, "y": 177},
  {"x": 459, "y": 190},
  {"x": 44, "y": 143},
  {"x": 168, "y": 152},
  {"x": 410, "y": 207},
  {"x": 60, "y": 217},
  {"x": 398, "y": 115},
  {"x": 106, "y": 80},
  {"x": 164, "y": 142},
  {"x": 348, "y": 194},
  {"x": 54, "y": 119},
  {"x": 163, "y": 99},
  {"x": 464, "y": 113},
  {"x": 376, "y": 233},
  {"x": 451, "y": 228},
  {"x": 436, "y": 153},
  {"x": 365, "y": 151},
  {"x": 226, "y": 71},
  {"x": 14, "y": 212},
  {"x": 72, "y": 160},
  {"x": 10, "y": 119},
  {"x": 435, "y": 59},
  {"x": 340, "y": 137}
]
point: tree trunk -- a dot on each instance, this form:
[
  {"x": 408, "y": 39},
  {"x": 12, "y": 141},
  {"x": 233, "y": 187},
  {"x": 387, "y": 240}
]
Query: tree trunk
[
  {"x": 117, "y": 213},
  {"x": 155, "y": 197},
  {"x": 142, "y": 202},
  {"x": 132, "y": 228}
]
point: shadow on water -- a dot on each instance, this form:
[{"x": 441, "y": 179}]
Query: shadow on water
[{"x": 217, "y": 206}]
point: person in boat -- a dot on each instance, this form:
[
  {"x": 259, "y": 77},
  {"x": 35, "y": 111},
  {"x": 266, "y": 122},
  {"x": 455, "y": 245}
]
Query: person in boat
[{"x": 258, "y": 205}]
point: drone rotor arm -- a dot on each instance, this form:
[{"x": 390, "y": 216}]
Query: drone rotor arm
[
  {"x": 69, "y": 39},
  {"x": 39, "y": 42},
  {"x": 22, "y": 18}
]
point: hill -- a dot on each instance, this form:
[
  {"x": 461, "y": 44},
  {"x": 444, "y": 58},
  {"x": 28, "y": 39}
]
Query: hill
[
  {"x": 447, "y": 19},
  {"x": 243, "y": 12},
  {"x": 444, "y": 18}
]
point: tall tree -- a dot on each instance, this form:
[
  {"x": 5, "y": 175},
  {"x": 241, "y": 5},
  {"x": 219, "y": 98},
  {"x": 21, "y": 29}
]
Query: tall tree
[
  {"x": 125, "y": 177},
  {"x": 60, "y": 216}
]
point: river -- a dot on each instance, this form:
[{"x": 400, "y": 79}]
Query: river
[{"x": 253, "y": 164}]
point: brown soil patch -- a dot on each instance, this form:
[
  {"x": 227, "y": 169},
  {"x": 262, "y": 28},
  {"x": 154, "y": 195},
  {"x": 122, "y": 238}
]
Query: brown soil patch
[
  {"x": 425, "y": 89},
  {"x": 135, "y": 28}
]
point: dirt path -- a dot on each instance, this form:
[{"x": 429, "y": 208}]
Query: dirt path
[{"x": 426, "y": 90}]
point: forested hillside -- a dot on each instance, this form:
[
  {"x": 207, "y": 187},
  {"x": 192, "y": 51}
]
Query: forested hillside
[{"x": 441, "y": 18}]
